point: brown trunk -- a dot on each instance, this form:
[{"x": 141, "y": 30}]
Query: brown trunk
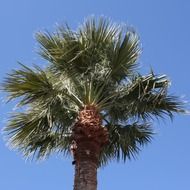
[
  {"x": 88, "y": 139},
  {"x": 86, "y": 167}
]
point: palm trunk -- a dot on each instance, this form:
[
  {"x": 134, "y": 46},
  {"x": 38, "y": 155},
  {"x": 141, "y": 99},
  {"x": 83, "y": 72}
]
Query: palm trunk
[
  {"x": 88, "y": 139},
  {"x": 86, "y": 166}
]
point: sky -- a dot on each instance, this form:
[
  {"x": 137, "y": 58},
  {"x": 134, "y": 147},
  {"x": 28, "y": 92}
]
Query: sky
[{"x": 164, "y": 30}]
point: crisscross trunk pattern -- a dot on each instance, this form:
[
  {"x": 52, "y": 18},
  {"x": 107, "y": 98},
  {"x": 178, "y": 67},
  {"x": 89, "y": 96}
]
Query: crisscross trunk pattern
[{"x": 89, "y": 137}]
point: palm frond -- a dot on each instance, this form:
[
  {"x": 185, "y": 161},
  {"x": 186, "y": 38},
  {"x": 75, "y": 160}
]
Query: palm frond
[
  {"x": 125, "y": 55},
  {"x": 145, "y": 97},
  {"x": 42, "y": 146},
  {"x": 98, "y": 45},
  {"x": 39, "y": 132},
  {"x": 125, "y": 141},
  {"x": 28, "y": 83},
  {"x": 37, "y": 85}
]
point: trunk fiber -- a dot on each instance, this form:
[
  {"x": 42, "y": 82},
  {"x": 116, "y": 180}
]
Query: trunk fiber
[
  {"x": 86, "y": 167},
  {"x": 89, "y": 136}
]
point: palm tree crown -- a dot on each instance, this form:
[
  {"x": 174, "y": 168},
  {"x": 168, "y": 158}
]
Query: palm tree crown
[{"x": 93, "y": 66}]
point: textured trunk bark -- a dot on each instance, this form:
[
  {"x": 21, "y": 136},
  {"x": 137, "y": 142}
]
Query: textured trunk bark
[
  {"x": 86, "y": 166},
  {"x": 89, "y": 136},
  {"x": 85, "y": 176}
]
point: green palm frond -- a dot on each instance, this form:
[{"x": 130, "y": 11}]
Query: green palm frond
[
  {"x": 25, "y": 82},
  {"x": 40, "y": 131},
  {"x": 145, "y": 97},
  {"x": 38, "y": 85},
  {"x": 98, "y": 45},
  {"x": 60, "y": 49},
  {"x": 125, "y": 141},
  {"x": 99, "y": 32},
  {"x": 43, "y": 145},
  {"x": 125, "y": 56}
]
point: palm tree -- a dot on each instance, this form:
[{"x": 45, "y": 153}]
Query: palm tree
[{"x": 90, "y": 101}]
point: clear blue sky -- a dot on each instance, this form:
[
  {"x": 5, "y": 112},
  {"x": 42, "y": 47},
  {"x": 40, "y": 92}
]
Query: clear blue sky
[{"x": 164, "y": 28}]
